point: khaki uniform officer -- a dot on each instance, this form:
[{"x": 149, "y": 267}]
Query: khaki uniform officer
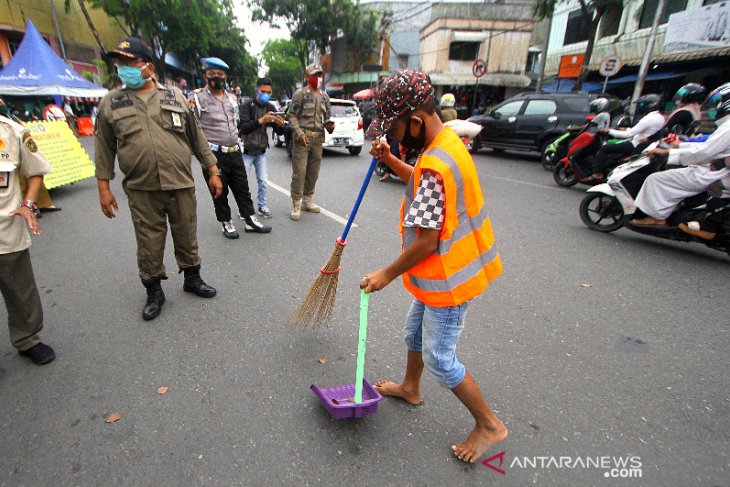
[
  {"x": 309, "y": 115},
  {"x": 152, "y": 131},
  {"x": 19, "y": 156}
]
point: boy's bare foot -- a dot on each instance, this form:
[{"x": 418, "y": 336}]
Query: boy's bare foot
[
  {"x": 388, "y": 388},
  {"x": 478, "y": 442}
]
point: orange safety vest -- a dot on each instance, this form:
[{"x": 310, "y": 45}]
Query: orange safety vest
[{"x": 467, "y": 259}]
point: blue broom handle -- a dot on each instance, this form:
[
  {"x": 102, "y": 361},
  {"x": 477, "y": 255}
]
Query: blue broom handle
[{"x": 363, "y": 188}]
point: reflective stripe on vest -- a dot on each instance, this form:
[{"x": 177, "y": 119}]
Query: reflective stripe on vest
[
  {"x": 459, "y": 277},
  {"x": 466, "y": 224}
]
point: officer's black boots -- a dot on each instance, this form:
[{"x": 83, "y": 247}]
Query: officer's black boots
[
  {"x": 195, "y": 284},
  {"x": 155, "y": 299}
]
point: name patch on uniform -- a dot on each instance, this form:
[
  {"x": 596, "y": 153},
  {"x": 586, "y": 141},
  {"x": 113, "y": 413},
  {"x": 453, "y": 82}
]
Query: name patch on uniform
[
  {"x": 176, "y": 121},
  {"x": 29, "y": 142},
  {"x": 4, "y": 180},
  {"x": 121, "y": 100},
  {"x": 169, "y": 102}
]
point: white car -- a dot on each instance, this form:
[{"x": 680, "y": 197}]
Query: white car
[{"x": 348, "y": 130}]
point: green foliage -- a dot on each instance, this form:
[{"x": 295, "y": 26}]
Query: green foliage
[
  {"x": 359, "y": 29},
  {"x": 280, "y": 55},
  {"x": 318, "y": 22},
  {"x": 190, "y": 28}
]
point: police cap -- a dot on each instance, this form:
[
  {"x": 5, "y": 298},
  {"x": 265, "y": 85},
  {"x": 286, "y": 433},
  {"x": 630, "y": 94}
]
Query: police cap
[{"x": 214, "y": 63}]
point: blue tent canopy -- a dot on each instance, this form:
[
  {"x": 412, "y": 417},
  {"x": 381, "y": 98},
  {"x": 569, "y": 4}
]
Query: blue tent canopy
[{"x": 35, "y": 70}]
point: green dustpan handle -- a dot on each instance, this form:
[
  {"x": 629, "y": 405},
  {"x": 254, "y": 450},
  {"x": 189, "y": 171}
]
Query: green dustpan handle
[{"x": 362, "y": 339}]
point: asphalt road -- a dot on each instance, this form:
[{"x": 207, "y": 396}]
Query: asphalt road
[{"x": 633, "y": 368}]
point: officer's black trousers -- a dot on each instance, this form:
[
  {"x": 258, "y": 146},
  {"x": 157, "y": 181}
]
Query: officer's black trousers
[{"x": 233, "y": 176}]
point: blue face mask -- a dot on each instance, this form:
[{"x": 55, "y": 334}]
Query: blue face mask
[
  {"x": 131, "y": 76},
  {"x": 264, "y": 97}
]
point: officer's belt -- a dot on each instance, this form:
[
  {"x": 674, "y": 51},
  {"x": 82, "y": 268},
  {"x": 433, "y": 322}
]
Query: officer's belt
[
  {"x": 313, "y": 133},
  {"x": 224, "y": 148}
]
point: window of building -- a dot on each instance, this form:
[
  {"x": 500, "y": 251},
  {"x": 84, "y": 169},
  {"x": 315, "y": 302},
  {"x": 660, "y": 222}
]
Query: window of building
[
  {"x": 508, "y": 109},
  {"x": 710, "y": 2},
  {"x": 14, "y": 39},
  {"x": 533, "y": 62},
  {"x": 649, "y": 10},
  {"x": 540, "y": 107},
  {"x": 403, "y": 61},
  {"x": 464, "y": 51},
  {"x": 610, "y": 21},
  {"x": 578, "y": 27}
]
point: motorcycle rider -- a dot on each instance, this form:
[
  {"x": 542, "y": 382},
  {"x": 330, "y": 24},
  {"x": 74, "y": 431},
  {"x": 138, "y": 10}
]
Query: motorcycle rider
[
  {"x": 448, "y": 112},
  {"x": 651, "y": 121},
  {"x": 602, "y": 119},
  {"x": 688, "y": 99},
  {"x": 662, "y": 192}
]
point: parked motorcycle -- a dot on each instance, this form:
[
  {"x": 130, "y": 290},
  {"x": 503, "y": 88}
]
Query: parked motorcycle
[{"x": 610, "y": 206}]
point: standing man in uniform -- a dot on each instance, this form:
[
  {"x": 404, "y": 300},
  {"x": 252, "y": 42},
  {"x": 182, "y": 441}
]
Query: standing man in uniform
[
  {"x": 309, "y": 115},
  {"x": 217, "y": 112},
  {"x": 256, "y": 115},
  {"x": 152, "y": 131},
  {"x": 19, "y": 155}
]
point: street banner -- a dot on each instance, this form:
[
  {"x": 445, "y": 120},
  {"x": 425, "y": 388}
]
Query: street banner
[
  {"x": 698, "y": 28},
  {"x": 63, "y": 151}
]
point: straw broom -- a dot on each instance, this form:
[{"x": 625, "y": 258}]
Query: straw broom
[{"x": 316, "y": 307}]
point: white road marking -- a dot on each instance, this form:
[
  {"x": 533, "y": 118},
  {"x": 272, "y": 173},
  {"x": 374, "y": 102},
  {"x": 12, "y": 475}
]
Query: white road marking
[{"x": 325, "y": 212}]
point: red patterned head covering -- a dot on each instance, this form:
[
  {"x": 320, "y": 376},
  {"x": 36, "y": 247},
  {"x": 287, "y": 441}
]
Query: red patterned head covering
[{"x": 396, "y": 95}]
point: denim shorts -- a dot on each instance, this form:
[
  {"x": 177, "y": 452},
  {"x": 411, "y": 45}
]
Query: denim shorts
[{"x": 434, "y": 332}]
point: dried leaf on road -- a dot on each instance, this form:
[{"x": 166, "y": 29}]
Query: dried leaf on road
[
  {"x": 113, "y": 417},
  {"x": 585, "y": 285},
  {"x": 323, "y": 361},
  {"x": 161, "y": 390}
]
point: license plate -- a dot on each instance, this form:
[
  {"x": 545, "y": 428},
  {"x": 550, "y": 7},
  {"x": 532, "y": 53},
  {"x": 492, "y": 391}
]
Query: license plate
[{"x": 340, "y": 140}]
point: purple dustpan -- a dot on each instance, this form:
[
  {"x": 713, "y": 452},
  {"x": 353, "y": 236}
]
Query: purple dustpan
[{"x": 340, "y": 403}]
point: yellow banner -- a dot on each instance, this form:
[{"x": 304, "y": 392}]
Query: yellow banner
[{"x": 63, "y": 151}]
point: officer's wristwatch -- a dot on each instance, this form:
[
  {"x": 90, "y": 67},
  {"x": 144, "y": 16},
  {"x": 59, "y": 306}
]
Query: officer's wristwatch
[
  {"x": 217, "y": 172},
  {"x": 30, "y": 204}
]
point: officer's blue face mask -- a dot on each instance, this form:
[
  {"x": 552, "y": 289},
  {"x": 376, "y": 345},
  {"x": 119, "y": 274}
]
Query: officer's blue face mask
[
  {"x": 264, "y": 97},
  {"x": 131, "y": 76}
]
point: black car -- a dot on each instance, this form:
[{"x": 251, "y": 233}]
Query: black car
[{"x": 531, "y": 121}]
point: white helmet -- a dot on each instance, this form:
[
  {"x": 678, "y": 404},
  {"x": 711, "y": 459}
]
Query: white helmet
[{"x": 448, "y": 100}]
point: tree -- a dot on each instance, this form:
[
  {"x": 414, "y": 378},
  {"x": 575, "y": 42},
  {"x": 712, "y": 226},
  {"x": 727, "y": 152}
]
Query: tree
[
  {"x": 360, "y": 33},
  {"x": 592, "y": 11},
  {"x": 315, "y": 22},
  {"x": 189, "y": 28},
  {"x": 280, "y": 55}
]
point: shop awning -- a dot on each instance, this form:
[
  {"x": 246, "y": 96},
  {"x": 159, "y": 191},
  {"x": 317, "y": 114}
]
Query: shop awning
[{"x": 491, "y": 79}]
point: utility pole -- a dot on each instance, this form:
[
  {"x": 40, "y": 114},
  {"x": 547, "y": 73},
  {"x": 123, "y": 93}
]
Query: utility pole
[
  {"x": 639, "y": 86},
  {"x": 58, "y": 30},
  {"x": 543, "y": 54}
]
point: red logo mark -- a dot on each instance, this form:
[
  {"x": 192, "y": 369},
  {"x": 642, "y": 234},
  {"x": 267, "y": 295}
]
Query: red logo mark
[{"x": 499, "y": 455}]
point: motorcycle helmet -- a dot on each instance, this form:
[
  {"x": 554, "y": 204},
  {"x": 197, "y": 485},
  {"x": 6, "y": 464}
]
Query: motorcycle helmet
[
  {"x": 690, "y": 93},
  {"x": 717, "y": 103},
  {"x": 598, "y": 105},
  {"x": 646, "y": 104},
  {"x": 448, "y": 100}
]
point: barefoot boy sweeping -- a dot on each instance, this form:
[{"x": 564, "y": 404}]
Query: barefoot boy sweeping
[{"x": 449, "y": 256}]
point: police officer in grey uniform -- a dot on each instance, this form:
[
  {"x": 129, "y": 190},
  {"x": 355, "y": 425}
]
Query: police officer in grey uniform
[
  {"x": 151, "y": 129},
  {"x": 218, "y": 114},
  {"x": 19, "y": 156},
  {"x": 309, "y": 115}
]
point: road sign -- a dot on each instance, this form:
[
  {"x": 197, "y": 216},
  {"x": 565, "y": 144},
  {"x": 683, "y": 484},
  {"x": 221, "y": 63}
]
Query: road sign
[
  {"x": 479, "y": 68},
  {"x": 610, "y": 65}
]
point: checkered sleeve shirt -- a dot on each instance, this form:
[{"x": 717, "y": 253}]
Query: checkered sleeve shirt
[{"x": 427, "y": 210}]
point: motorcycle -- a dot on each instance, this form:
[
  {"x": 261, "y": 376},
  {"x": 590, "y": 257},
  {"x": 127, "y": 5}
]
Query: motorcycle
[
  {"x": 610, "y": 206},
  {"x": 558, "y": 148},
  {"x": 467, "y": 132}
]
